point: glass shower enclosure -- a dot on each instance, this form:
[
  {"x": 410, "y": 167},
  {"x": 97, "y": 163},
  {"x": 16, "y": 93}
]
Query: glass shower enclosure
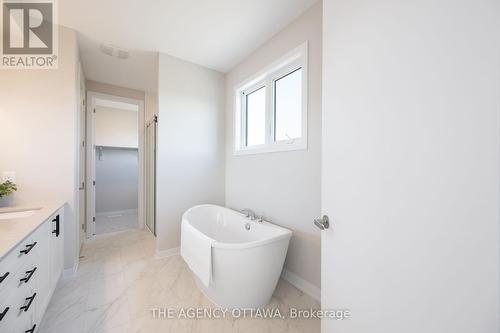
[{"x": 151, "y": 134}]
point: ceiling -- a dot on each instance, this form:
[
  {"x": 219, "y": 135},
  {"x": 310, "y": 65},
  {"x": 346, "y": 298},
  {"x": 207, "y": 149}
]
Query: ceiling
[
  {"x": 138, "y": 72},
  {"x": 217, "y": 34}
]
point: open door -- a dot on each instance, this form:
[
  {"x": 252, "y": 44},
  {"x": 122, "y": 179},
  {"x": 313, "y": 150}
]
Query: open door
[
  {"x": 82, "y": 151},
  {"x": 91, "y": 152},
  {"x": 410, "y": 165}
]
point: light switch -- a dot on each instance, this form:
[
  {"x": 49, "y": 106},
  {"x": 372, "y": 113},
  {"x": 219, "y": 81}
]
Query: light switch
[{"x": 9, "y": 175}]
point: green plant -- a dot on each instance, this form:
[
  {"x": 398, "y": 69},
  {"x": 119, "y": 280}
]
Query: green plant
[{"x": 7, "y": 188}]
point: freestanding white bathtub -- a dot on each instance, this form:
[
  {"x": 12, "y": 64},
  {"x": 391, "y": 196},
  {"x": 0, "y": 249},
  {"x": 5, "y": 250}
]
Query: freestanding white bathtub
[{"x": 247, "y": 256}]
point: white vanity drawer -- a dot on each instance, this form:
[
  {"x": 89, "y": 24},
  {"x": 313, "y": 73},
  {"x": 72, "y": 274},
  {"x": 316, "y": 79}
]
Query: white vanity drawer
[
  {"x": 7, "y": 317},
  {"x": 26, "y": 253},
  {"x": 28, "y": 249},
  {"x": 28, "y": 323},
  {"x": 12, "y": 263},
  {"x": 28, "y": 326},
  {"x": 25, "y": 278},
  {"x": 20, "y": 310}
]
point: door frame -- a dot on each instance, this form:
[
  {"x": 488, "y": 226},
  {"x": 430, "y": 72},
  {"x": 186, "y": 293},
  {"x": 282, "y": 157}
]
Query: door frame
[
  {"x": 82, "y": 160},
  {"x": 90, "y": 189}
]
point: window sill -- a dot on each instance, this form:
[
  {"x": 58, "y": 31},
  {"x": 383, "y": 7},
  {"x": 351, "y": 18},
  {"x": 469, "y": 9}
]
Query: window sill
[{"x": 272, "y": 148}]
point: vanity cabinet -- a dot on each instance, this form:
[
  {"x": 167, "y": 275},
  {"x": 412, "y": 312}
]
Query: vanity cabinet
[
  {"x": 56, "y": 250},
  {"x": 28, "y": 276}
]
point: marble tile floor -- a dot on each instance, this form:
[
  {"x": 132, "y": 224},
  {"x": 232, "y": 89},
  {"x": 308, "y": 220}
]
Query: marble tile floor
[
  {"x": 119, "y": 281},
  {"x": 115, "y": 223}
]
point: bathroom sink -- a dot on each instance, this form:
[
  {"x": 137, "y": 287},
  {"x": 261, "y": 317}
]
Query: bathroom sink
[{"x": 18, "y": 214}]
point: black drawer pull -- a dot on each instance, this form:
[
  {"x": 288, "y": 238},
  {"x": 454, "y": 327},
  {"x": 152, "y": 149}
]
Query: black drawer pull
[
  {"x": 31, "y": 330},
  {"x": 4, "y": 313},
  {"x": 28, "y": 248},
  {"x": 27, "y": 306},
  {"x": 56, "y": 231},
  {"x": 4, "y": 276},
  {"x": 28, "y": 277}
]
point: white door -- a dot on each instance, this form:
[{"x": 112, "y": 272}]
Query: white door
[
  {"x": 90, "y": 163},
  {"x": 410, "y": 165},
  {"x": 82, "y": 168}
]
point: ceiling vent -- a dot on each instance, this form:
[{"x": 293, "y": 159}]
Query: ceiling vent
[{"x": 114, "y": 51}]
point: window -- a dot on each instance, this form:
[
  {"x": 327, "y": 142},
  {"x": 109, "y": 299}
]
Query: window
[
  {"x": 288, "y": 106},
  {"x": 255, "y": 117},
  {"x": 271, "y": 107}
]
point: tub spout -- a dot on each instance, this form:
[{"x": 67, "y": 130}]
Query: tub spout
[{"x": 249, "y": 213}]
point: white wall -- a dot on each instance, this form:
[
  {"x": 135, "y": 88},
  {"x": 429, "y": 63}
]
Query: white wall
[
  {"x": 284, "y": 186},
  {"x": 150, "y": 105},
  {"x": 151, "y": 96},
  {"x": 38, "y": 136},
  {"x": 411, "y": 115},
  {"x": 117, "y": 180},
  {"x": 109, "y": 89},
  {"x": 190, "y": 143},
  {"x": 116, "y": 128}
]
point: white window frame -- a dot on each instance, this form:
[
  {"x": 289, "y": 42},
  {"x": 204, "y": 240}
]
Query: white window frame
[
  {"x": 243, "y": 101},
  {"x": 292, "y": 61}
]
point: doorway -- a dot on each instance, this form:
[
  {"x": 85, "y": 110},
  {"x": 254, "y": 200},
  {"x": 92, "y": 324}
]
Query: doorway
[{"x": 114, "y": 163}]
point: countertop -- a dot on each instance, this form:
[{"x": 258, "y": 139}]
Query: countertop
[{"x": 13, "y": 231}]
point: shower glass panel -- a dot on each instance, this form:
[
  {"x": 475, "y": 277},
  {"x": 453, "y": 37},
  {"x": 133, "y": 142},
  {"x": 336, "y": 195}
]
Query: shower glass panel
[{"x": 150, "y": 173}]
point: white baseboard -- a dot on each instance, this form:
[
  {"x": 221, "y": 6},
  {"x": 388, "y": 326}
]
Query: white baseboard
[
  {"x": 302, "y": 284},
  {"x": 168, "y": 253},
  {"x": 70, "y": 272},
  {"x": 117, "y": 212}
]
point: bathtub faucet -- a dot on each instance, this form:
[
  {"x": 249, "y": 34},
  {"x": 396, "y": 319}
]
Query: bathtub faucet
[{"x": 249, "y": 213}]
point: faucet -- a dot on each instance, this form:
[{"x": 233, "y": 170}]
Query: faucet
[{"x": 249, "y": 213}]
